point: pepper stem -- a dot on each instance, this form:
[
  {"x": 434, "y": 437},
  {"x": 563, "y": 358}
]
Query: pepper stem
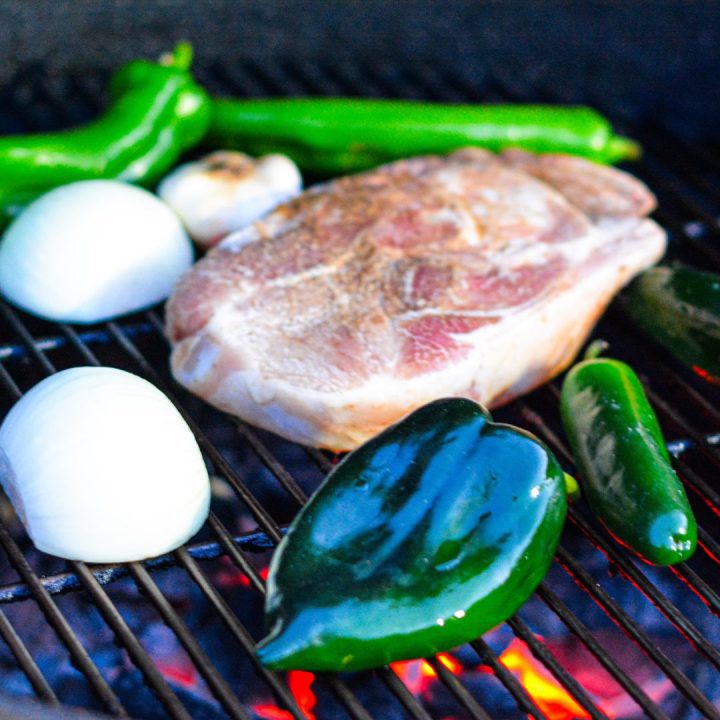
[
  {"x": 595, "y": 349},
  {"x": 180, "y": 58},
  {"x": 622, "y": 148},
  {"x": 572, "y": 489}
]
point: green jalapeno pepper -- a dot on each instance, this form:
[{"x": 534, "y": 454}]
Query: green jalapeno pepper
[
  {"x": 157, "y": 112},
  {"x": 680, "y": 308},
  {"x": 330, "y": 135},
  {"x": 624, "y": 466},
  {"x": 425, "y": 537}
]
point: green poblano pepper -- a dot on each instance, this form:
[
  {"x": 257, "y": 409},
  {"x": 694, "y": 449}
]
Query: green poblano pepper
[{"x": 424, "y": 538}]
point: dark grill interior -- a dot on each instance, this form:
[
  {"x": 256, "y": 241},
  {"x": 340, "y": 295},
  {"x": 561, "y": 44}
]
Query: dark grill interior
[{"x": 608, "y": 605}]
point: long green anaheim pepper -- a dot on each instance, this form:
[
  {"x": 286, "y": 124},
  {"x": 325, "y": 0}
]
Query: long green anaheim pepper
[
  {"x": 624, "y": 465},
  {"x": 157, "y": 112},
  {"x": 336, "y": 135},
  {"x": 425, "y": 537},
  {"x": 680, "y": 308}
]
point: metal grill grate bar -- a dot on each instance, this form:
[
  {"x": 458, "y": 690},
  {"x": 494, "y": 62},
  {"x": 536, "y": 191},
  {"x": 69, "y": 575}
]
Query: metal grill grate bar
[
  {"x": 60, "y": 625},
  {"x": 689, "y": 631},
  {"x": 209, "y": 672},
  {"x": 709, "y": 545},
  {"x": 276, "y": 468},
  {"x": 349, "y": 701},
  {"x": 519, "y": 693},
  {"x": 550, "y": 662},
  {"x": 698, "y": 586},
  {"x": 238, "y": 630},
  {"x": 581, "y": 631},
  {"x": 25, "y": 661},
  {"x": 127, "y": 639},
  {"x": 638, "y": 635},
  {"x": 64, "y": 582},
  {"x": 454, "y": 685}
]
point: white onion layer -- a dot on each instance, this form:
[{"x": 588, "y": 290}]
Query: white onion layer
[
  {"x": 91, "y": 251},
  {"x": 101, "y": 467}
]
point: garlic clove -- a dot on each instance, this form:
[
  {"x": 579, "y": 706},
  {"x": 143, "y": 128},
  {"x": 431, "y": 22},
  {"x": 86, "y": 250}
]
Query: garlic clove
[
  {"x": 91, "y": 251},
  {"x": 101, "y": 467},
  {"x": 227, "y": 191}
]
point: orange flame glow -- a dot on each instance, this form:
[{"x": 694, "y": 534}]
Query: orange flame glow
[
  {"x": 300, "y": 684},
  {"x": 450, "y": 663},
  {"x": 419, "y": 674},
  {"x": 415, "y": 674},
  {"x": 551, "y": 698}
]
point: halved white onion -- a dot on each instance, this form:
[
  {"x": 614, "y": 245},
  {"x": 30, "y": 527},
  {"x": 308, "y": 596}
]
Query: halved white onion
[
  {"x": 227, "y": 191},
  {"x": 101, "y": 467},
  {"x": 93, "y": 250}
]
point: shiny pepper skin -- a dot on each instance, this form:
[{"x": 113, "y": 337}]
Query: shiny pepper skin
[
  {"x": 625, "y": 469},
  {"x": 425, "y": 537},
  {"x": 157, "y": 112},
  {"x": 341, "y": 135},
  {"x": 680, "y": 309}
]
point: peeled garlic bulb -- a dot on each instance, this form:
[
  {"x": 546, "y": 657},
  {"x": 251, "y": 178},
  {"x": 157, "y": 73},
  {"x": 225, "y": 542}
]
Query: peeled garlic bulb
[
  {"x": 101, "y": 467},
  {"x": 93, "y": 250},
  {"x": 227, "y": 191}
]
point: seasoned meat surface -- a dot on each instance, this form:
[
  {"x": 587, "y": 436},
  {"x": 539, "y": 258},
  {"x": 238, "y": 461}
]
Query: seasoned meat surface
[{"x": 469, "y": 275}]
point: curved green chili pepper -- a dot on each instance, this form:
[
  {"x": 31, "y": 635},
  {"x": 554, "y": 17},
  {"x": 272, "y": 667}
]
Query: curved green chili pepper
[
  {"x": 424, "y": 538},
  {"x": 331, "y": 135},
  {"x": 623, "y": 462},
  {"x": 157, "y": 112},
  {"x": 680, "y": 308}
]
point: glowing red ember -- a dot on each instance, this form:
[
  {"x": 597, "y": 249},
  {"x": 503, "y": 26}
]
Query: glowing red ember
[
  {"x": 418, "y": 675},
  {"x": 300, "y": 684},
  {"x": 550, "y": 696}
]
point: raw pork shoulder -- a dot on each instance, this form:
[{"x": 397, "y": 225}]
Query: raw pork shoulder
[{"x": 474, "y": 275}]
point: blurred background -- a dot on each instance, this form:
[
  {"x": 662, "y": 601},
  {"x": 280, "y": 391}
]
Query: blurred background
[{"x": 658, "y": 58}]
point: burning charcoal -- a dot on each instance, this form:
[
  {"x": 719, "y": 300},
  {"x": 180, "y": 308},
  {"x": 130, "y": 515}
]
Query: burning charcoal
[{"x": 143, "y": 705}]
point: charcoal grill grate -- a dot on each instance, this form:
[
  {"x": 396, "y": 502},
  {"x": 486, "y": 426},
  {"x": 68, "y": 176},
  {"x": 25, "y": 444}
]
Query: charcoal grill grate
[{"x": 685, "y": 179}]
